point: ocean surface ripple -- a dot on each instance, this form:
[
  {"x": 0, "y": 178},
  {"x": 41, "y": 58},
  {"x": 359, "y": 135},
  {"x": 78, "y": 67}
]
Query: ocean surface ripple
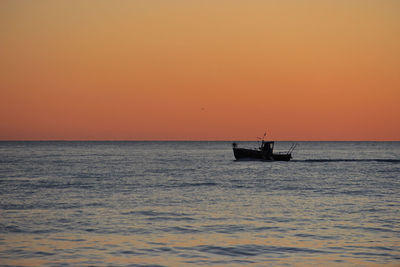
[{"x": 190, "y": 203}]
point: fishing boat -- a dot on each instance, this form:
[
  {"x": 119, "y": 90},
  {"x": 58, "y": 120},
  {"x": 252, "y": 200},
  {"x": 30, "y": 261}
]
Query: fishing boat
[{"x": 264, "y": 152}]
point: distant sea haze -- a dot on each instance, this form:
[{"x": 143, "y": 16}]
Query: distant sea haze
[{"x": 190, "y": 203}]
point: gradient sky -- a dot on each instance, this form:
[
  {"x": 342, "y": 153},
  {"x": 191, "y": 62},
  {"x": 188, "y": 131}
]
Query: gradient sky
[{"x": 199, "y": 70}]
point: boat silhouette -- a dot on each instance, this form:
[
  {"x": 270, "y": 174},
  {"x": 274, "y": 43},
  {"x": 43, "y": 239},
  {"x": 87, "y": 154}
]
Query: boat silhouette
[{"x": 264, "y": 152}]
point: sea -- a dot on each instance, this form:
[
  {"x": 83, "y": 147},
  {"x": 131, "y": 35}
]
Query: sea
[{"x": 117, "y": 203}]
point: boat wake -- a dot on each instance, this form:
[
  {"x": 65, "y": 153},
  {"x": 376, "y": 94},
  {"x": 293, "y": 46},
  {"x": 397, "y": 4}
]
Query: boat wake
[{"x": 349, "y": 160}]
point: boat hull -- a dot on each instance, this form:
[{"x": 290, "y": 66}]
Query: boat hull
[
  {"x": 251, "y": 154},
  {"x": 282, "y": 157}
]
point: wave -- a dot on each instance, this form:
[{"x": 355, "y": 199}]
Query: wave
[
  {"x": 252, "y": 250},
  {"x": 179, "y": 185},
  {"x": 197, "y": 184}
]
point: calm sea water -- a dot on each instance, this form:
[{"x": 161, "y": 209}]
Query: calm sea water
[{"x": 190, "y": 203}]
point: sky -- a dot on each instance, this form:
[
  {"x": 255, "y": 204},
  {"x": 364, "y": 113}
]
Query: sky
[{"x": 200, "y": 70}]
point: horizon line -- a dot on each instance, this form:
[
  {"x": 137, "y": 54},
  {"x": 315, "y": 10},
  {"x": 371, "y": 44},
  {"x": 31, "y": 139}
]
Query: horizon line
[{"x": 179, "y": 140}]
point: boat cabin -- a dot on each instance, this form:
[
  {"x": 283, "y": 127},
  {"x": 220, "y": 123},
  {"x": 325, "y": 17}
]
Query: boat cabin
[{"x": 267, "y": 147}]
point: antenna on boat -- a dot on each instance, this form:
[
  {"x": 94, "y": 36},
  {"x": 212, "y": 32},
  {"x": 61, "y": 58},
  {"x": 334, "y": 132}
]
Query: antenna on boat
[{"x": 259, "y": 138}]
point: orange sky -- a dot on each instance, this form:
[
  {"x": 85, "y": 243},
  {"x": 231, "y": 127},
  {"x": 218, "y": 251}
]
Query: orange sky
[{"x": 200, "y": 70}]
